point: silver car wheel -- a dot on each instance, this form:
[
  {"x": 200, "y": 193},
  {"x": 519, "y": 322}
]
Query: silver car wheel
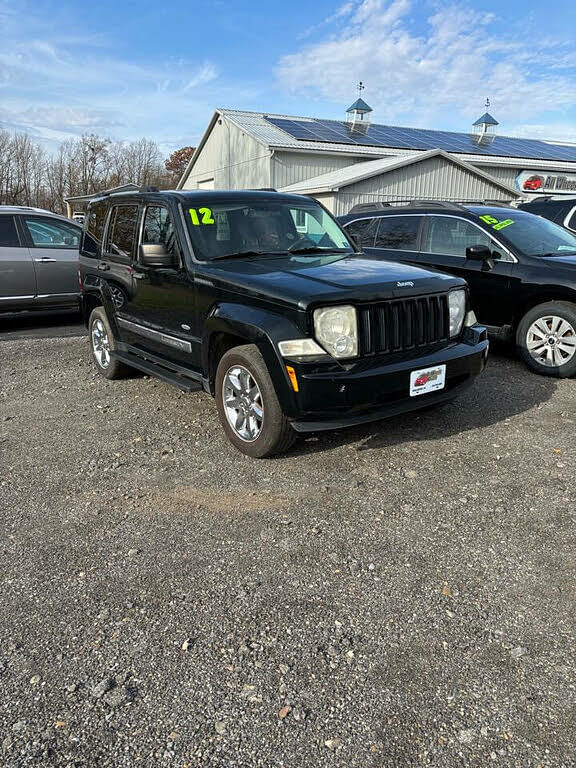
[
  {"x": 100, "y": 344},
  {"x": 551, "y": 341},
  {"x": 117, "y": 296},
  {"x": 243, "y": 404}
]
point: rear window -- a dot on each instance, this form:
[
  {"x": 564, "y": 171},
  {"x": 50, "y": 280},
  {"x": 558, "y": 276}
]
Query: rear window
[
  {"x": 8, "y": 233},
  {"x": 398, "y": 232},
  {"x": 121, "y": 238}
]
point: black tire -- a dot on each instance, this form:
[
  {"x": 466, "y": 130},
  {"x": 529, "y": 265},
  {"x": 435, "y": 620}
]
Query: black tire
[
  {"x": 275, "y": 434},
  {"x": 556, "y": 343},
  {"x": 113, "y": 369}
]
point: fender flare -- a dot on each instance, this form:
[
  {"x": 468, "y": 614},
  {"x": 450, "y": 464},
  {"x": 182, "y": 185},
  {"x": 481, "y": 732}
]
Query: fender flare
[{"x": 261, "y": 327}]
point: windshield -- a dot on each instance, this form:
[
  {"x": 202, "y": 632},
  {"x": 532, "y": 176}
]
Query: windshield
[
  {"x": 533, "y": 235},
  {"x": 262, "y": 227}
]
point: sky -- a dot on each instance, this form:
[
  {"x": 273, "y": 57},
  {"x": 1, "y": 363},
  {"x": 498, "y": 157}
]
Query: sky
[{"x": 125, "y": 69}]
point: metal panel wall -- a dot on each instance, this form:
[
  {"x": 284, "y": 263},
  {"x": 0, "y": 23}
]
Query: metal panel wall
[
  {"x": 232, "y": 158},
  {"x": 431, "y": 179},
  {"x": 292, "y": 167}
]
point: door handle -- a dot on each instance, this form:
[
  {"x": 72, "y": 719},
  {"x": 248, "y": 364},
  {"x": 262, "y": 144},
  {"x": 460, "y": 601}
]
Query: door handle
[
  {"x": 103, "y": 267},
  {"x": 46, "y": 260},
  {"x": 138, "y": 275}
]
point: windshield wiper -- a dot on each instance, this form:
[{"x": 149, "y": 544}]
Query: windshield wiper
[
  {"x": 239, "y": 254},
  {"x": 318, "y": 249},
  {"x": 555, "y": 253}
]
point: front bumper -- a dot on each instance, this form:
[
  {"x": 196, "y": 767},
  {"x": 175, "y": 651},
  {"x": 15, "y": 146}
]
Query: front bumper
[{"x": 332, "y": 396}]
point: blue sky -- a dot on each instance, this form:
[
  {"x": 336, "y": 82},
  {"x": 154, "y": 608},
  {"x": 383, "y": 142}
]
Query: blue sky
[{"x": 128, "y": 69}]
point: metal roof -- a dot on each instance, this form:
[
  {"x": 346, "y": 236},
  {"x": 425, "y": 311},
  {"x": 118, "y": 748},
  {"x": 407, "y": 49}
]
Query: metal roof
[
  {"x": 359, "y": 105},
  {"x": 351, "y": 174}
]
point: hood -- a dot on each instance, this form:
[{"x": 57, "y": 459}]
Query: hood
[
  {"x": 561, "y": 261},
  {"x": 313, "y": 279}
]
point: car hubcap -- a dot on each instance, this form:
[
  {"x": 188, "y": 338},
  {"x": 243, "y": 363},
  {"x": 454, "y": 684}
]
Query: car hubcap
[
  {"x": 100, "y": 344},
  {"x": 243, "y": 403},
  {"x": 551, "y": 341},
  {"x": 117, "y": 296}
]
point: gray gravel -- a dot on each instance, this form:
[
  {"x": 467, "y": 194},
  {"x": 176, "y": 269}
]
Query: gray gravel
[{"x": 396, "y": 595}]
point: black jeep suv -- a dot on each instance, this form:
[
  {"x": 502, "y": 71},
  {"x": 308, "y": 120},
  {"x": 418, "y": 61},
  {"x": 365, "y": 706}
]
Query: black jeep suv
[
  {"x": 261, "y": 299},
  {"x": 521, "y": 268}
]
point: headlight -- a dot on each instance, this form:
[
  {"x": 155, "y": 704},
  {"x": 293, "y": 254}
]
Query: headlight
[
  {"x": 300, "y": 348},
  {"x": 336, "y": 328},
  {"x": 457, "y": 309}
]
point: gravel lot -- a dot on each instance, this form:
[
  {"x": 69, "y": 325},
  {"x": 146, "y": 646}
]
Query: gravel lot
[{"x": 396, "y": 595}]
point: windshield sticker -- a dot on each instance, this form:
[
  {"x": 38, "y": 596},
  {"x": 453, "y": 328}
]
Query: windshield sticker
[
  {"x": 494, "y": 223},
  {"x": 201, "y": 216}
]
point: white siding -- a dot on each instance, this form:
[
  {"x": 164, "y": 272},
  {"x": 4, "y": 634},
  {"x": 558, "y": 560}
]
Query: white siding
[
  {"x": 431, "y": 179},
  {"x": 292, "y": 167},
  {"x": 232, "y": 159}
]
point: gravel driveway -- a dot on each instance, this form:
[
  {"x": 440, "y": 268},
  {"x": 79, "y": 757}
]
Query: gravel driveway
[{"x": 395, "y": 595}]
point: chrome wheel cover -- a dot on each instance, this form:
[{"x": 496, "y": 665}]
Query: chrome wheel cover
[
  {"x": 551, "y": 341},
  {"x": 117, "y": 296},
  {"x": 242, "y": 401},
  {"x": 100, "y": 344}
]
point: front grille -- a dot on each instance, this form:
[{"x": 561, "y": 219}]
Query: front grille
[{"x": 403, "y": 324}]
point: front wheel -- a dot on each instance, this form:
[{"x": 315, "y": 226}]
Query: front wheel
[
  {"x": 248, "y": 406},
  {"x": 546, "y": 339}
]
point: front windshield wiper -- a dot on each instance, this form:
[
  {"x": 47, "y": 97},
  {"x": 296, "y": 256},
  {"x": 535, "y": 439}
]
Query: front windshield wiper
[
  {"x": 240, "y": 254},
  {"x": 318, "y": 249},
  {"x": 555, "y": 253}
]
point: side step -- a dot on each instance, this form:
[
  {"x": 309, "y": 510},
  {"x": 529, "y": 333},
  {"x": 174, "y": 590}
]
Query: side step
[{"x": 187, "y": 383}]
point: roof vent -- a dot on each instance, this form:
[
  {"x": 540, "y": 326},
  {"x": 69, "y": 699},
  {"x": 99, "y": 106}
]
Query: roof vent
[
  {"x": 358, "y": 114},
  {"x": 484, "y": 129}
]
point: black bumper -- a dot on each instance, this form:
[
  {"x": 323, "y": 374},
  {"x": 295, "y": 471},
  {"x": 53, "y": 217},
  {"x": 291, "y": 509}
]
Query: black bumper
[{"x": 334, "y": 397}]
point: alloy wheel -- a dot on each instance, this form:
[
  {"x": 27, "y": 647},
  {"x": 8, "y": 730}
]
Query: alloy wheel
[
  {"x": 100, "y": 344},
  {"x": 551, "y": 341},
  {"x": 243, "y": 404}
]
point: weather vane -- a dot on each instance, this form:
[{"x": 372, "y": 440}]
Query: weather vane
[
  {"x": 487, "y": 102},
  {"x": 361, "y": 87}
]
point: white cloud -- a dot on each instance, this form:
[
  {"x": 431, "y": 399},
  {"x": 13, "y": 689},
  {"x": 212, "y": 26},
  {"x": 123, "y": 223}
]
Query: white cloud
[{"x": 439, "y": 76}]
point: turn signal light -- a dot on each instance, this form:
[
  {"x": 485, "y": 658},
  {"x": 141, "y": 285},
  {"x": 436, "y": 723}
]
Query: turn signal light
[{"x": 292, "y": 375}]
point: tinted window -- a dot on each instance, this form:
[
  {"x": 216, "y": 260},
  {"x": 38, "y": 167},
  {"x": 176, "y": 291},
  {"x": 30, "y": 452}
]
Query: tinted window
[
  {"x": 364, "y": 230},
  {"x": 399, "y": 232},
  {"x": 158, "y": 229},
  {"x": 50, "y": 233},
  {"x": 97, "y": 220},
  {"x": 8, "y": 233},
  {"x": 121, "y": 240},
  {"x": 572, "y": 221},
  {"x": 452, "y": 236},
  {"x": 533, "y": 235}
]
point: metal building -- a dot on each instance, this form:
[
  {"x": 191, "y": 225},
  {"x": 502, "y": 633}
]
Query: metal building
[{"x": 356, "y": 160}]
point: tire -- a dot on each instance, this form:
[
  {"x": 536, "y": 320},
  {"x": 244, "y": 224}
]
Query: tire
[
  {"x": 101, "y": 340},
  {"x": 257, "y": 427},
  {"x": 546, "y": 339}
]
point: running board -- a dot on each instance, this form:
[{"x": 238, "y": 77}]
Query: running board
[{"x": 187, "y": 383}]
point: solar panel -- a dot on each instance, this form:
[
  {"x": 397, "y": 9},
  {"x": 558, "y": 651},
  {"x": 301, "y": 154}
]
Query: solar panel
[{"x": 338, "y": 132}]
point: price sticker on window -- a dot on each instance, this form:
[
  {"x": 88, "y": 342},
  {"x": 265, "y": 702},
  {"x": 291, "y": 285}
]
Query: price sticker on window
[
  {"x": 201, "y": 216},
  {"x": 495, "y": 223}
]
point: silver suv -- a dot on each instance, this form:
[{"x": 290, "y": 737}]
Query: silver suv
[{"x": 38, "y": 260}]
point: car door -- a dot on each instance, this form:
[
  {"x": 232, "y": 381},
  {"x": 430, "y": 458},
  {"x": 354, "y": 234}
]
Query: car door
[
  {"x": 53, "y": 247},
  {"x": 17, "y": 276},
  {"x": 159, "y": 316},
  {"x": 444, "y": 242}
]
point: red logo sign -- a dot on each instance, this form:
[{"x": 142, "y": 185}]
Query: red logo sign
[{"x": 533, "y": 184}]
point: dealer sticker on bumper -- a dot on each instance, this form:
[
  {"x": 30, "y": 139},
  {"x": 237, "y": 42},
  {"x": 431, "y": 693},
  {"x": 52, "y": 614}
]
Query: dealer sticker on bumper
[{"x": 427, "y": 380}]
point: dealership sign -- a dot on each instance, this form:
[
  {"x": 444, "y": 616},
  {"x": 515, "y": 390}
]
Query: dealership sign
[{"x": 531, "y": 181}]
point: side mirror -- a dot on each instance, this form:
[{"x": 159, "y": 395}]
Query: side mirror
[
  {"x": 155, "y": 255},
  {"x": 478, "y": 253}
]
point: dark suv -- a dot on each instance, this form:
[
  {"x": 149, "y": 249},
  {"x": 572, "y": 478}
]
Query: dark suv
[
  {"x": 261, "y": 300},
  {"x": 521, "y": 268},
  {"x": 561, "y": 209}
]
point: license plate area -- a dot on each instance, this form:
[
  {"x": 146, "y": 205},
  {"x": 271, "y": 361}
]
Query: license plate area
[{"x": 427, "y": 380}]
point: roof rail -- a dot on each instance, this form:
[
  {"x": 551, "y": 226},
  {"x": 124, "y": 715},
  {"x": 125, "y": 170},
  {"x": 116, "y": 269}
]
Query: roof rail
[{"x": 369, "y": 207}]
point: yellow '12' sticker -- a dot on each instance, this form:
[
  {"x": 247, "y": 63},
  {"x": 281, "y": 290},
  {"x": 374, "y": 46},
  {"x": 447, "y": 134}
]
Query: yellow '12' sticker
[
  {"x": 494, "y": 223},
  {"x": 201, "y": 216}
]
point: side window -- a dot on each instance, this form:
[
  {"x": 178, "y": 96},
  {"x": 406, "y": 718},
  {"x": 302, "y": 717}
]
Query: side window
[
  {"x": 49, "y": 233},
  {"x": 451, "y": 236},
  {"x": 364, "y": 230},
  {"x": 571, "y": 223},
  {"x": 121, "y": 238},
  {"x": 8, "y": 233},
  {"x": 94, "y": 222},
  {"x": 398, "y": 232},
  {"x": 159, "y": 230}
]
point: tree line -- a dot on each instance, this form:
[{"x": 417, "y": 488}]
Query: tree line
[{"x": 29, "y": 175}]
